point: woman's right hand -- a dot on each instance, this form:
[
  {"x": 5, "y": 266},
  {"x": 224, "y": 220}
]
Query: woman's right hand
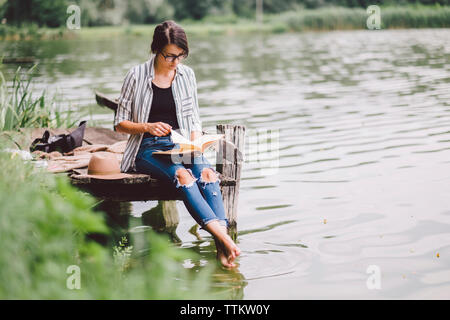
[{"x": 157, "y": 128}]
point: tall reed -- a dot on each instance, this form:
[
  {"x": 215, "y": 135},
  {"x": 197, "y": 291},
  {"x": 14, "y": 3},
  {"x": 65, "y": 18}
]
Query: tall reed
[
  {"x": 339, "y": 18},
  {"x": 20, "y": 109}
]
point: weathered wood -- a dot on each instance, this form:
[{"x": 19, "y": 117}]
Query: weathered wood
[
  {"x": 170, "y": 214},
  {"x": 163, "y": 218},
  {"x": 136, "y": 178},
  {"x": 231, "y": 170},
  {"x": 17, "y": 60},
  {"x": 103, "y": 100},
  {"x": 229, "y": 151},
  {"x": 139, "y": 187}
]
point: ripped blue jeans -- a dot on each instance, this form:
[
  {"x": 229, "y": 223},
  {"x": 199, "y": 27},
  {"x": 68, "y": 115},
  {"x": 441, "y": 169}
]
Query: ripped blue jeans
[{"x": 203, "y": 199}]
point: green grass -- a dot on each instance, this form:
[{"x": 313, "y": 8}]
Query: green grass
[
  {"x": 20, "y": 109},
  {"x": 31, "y": 32},
  {"x": 46, "y": 225}
]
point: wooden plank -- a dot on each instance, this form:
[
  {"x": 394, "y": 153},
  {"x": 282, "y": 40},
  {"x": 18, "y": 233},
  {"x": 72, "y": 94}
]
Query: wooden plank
[
  {"x": 231, "y": 170},
  {"x": 140, "y": 187},
  {"x": 136, "y": 178},
  {"x": 105, "y": 101},
  {"x": 131, "y": 192},
  {"x": 152, "y": 190},
  {"x": 18, "y": 60}
]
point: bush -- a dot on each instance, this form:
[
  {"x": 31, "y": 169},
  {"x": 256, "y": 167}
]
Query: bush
[{"x": 44, "y": 228}]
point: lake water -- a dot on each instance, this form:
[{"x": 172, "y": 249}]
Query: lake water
[{"x": 358, "y": 178}]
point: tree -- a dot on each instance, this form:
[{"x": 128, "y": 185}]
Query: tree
[
  {"x": 51, "y": 13},
  {"x": 191, "y": 9},
  {"x": 149, "y": 11}
]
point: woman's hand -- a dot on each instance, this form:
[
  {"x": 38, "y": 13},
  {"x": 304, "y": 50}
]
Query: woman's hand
[{"x": 157, "y": 128}]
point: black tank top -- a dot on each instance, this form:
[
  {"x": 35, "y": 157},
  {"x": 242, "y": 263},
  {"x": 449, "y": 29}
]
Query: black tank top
[{"x": 163, "y": 108}]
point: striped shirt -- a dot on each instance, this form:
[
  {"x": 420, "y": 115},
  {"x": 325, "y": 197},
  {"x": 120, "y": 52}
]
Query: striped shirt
[{"x": 136, "y": 99}]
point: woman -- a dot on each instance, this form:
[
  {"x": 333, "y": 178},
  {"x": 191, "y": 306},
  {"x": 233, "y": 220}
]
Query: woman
[{"x": 157, "y": 97}]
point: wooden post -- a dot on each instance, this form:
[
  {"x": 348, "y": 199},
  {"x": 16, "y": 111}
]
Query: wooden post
[
  {"x": 231, "y": 169},
  {"x": 163, "y": 218},
  {"x": 117, "y": 216}
]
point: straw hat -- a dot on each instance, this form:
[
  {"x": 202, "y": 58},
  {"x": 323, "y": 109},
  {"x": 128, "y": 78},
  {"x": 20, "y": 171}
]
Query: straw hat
[{"x": 105, "y": 165}]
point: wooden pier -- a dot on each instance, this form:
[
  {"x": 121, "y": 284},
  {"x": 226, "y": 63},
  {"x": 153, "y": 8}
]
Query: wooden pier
[{"x": 142, "y": 187}]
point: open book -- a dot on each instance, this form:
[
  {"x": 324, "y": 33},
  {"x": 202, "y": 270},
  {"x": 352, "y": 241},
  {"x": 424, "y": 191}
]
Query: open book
[{"x": 198, "y": 146}]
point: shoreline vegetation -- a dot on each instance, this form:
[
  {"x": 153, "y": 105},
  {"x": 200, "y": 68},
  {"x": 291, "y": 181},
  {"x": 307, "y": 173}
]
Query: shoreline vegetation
[
  {"x": 49, "y": 249},
  {"x": 19, "y": 109},
  {"x": 59, "y": 233},
  {"x": 322, "y": 19}
]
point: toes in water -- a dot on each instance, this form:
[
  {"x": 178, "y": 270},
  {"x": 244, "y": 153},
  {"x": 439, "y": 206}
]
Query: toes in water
[{"x": 223, "y": 257}]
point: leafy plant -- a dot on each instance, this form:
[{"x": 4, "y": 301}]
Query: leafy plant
[{"x": 122, "y": 254}]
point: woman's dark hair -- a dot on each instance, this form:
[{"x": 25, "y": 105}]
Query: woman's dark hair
[{"x": 168, "y": 32}]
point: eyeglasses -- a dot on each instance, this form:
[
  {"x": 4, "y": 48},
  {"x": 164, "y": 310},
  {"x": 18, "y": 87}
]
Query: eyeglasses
[{"x": 173, "y": 58}]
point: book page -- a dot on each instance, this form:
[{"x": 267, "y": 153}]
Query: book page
[
  {"x": 199, "y": 144},
  {"x": 207, "y": 139},
  {"x": 178, "y": 138}
]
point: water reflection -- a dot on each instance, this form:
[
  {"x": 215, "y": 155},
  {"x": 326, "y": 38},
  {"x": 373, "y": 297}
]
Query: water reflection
[
  {"x": 229, "y": 283},
  {"x": 117, "y": 218},
  {"x": 164, "y": 218}
]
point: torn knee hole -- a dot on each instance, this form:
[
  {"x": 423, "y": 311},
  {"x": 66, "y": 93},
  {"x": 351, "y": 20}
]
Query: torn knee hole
[
  {"x": 187, "y": 180},
  {"x": 208, "y": 175}
]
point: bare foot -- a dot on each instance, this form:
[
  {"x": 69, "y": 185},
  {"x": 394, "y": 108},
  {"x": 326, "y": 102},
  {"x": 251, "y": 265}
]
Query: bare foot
[
  {"x": 227, "y": 250},
  {"x": 221, "y": 256}
]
